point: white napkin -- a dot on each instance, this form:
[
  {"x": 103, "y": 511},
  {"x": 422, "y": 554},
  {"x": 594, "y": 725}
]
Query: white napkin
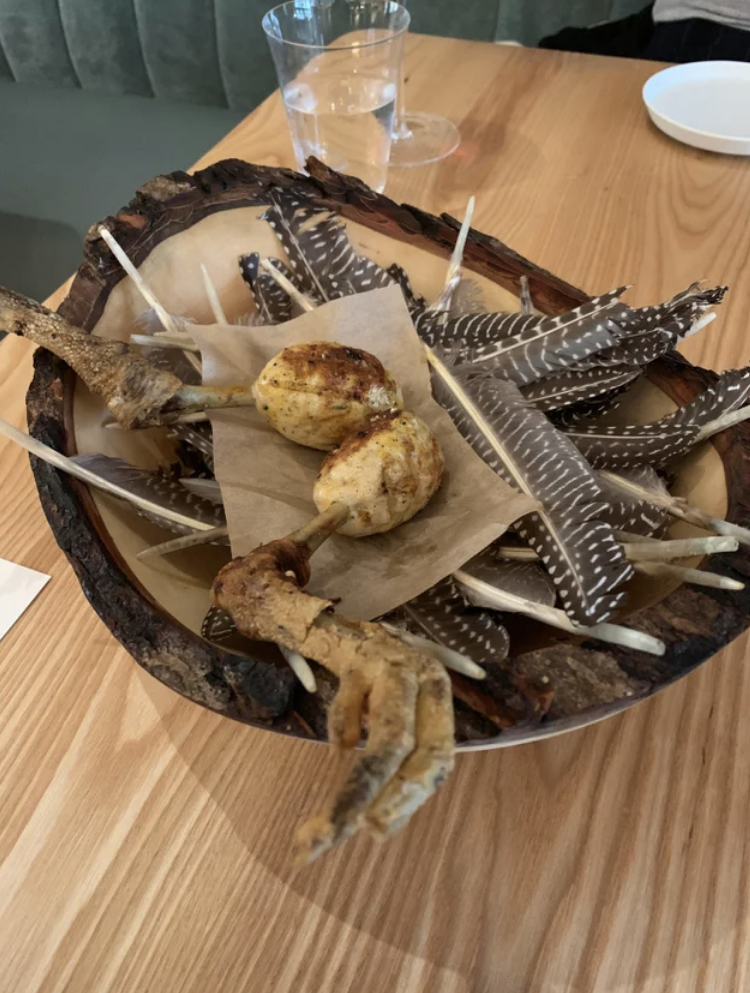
[{"x": 19, "y": 586}]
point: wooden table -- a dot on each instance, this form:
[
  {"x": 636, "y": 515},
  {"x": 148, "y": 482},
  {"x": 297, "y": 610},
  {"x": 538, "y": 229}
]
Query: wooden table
[{"x": 144, "y": 843}]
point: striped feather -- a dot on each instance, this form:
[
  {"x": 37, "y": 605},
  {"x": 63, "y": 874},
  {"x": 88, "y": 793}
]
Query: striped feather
[
  {"x": 656, "y": 443},
  {"x": 524, "y": 579},
  {"x": 198, "y": 437},
  {"x": 443, "y": 614},
  {"x": 553, "y": 344},
  {"x": 573, "y": 386},
  {"x": 578, "y": 549},
  {"x": 171, "y": 505},
  {"x": 273, "y": 304},
  {"x": 325, "y": 262}
]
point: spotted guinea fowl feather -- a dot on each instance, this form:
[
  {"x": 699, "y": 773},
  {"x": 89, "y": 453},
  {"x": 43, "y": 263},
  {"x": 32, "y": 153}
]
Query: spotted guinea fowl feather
[
  {"x": 634, "y": 516},
  {"x": 472, "y": 330},
  {"x": 572, "y": 386},
  {"x": 217, "y": 625},
  {"x": 172, "y": 506},
  {"x": 524, "y": 579},
  {"x": 659, "y": 441},
  {"x": 443, "y": 615},
  {"x": 199, "y": 437},
  {"x": 676, "y": 316},
  {"x": 416, "y": 303},
  {"x": 578, "y": 549},
  {"x": 637, "y": 350},
  {"x": 553, "y": 344},
  {"x": 273, "y": 304},
  {"x": 320, "y": 252}
]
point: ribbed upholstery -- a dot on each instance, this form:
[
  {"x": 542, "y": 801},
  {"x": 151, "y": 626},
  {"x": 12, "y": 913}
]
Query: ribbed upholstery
[
  {"x": 32, "y": 39},
  {"x": 104, "y": 45},
  {"x": 213, "y": 51},
  {"x": 5, "y": 72}
]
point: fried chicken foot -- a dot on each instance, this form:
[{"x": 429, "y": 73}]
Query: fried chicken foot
[
  {"x": 137, "y": 394},
  {"x": 407, "y": 692}
]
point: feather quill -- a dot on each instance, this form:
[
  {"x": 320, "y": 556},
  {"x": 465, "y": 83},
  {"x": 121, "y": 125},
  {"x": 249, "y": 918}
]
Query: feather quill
[
  {"x": 443, "y": 615},
  {"x": 656, "y": 443},
  {"x": 162, "y": 507},
  {"x": 572, "y": 386},
  {"x": 273, "y": 304},
  {"x": 172, "y": 506},
  {"x": 325, "y": 262},
  {"x": 578, "y": 549},
  {"x": 555, "y": 343},
  {"x": 643, "y": 483}
]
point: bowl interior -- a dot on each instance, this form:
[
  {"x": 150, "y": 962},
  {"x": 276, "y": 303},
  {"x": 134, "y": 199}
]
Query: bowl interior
[{"x": 180, "y": 582}]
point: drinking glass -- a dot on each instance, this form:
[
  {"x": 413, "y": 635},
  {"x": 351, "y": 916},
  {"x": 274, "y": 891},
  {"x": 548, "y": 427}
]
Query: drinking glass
[
  {"x": 339, "y": 65},
  {"x": 420, "y": 138}
]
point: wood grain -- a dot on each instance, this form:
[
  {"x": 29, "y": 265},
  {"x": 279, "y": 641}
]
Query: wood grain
[{"x": 144, "y": 843}]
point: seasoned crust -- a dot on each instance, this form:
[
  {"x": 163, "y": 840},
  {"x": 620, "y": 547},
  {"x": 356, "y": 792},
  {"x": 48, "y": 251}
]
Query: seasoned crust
[{"x": 316, "y": 393}]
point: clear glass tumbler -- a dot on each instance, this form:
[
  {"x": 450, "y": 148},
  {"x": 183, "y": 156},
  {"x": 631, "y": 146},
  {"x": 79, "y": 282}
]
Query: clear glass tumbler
[{"x": 339, "y": 66}]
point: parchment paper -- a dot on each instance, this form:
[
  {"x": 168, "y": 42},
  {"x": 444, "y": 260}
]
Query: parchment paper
[{"x": 267, "y": 481}]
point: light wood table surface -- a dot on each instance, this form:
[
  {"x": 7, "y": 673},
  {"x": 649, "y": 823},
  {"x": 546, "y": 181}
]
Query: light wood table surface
[{"x": 145, "y": 843}]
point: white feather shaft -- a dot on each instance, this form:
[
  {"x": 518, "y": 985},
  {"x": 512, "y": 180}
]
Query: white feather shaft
[
  {"x": 213, "y": 298},
  {"x": 65, "y": 464},
  {"x": 161, "y": 312},
  {"x": 447, "y": 656},
  {"x": 485, "y": 595},
  {"x": 184, "y": 541}
]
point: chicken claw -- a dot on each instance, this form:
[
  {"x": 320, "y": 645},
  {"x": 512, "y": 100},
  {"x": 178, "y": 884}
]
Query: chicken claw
[
  {"x": 138, "y": 395},
  {"x": 407, "y": 693}
]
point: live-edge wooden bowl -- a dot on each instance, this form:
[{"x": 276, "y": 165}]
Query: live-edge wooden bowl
[{"x": 172, "y": 224}]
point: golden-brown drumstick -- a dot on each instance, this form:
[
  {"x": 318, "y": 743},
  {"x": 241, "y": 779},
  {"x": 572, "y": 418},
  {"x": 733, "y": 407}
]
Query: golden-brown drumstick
[
  {"x": 316, "y": 393},
  {"x": 385, "y": 473}
]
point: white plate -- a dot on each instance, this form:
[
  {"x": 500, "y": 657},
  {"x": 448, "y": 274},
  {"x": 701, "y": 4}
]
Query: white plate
[{"x": 704, "y": 104}]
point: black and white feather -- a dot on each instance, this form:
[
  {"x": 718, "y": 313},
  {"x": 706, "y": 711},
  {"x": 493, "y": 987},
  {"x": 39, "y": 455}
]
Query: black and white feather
[
  {"x": 274, "y": 305},
  {"x": 171, "y": 505},
  {"x": 324, "y": 260},
  {"x": 577, "y": 548},
  {"x": 654, "y": 444},
  {"x": 443, "y": 615},
  {"x": 563, "y": 389}
]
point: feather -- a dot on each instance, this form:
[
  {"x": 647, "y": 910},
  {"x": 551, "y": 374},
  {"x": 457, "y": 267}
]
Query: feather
[
  {"x": 171, "y": 505},
  {"x": 572, "y": 386},
  {"x": 637, "y": 350},
  {"x": 199, "y": 437},
  {"x": 181, "y": 364},
  {"x": 472, "y": 330},
  {"x": 527, "y": 304},
  {"x": 179, "y": 515},
  {"x": 323, "y": 259},
  {"x": 656, "y": 443},
  {"x": 555, "y": 343},
  {"x": 208, "y": 489},
  {"x": 274, "y": 305},
  {"x": 677, "y": 316},
  {"x": 217, "y": 626},
  {"x": 524, "y": 579},
  {"x": 443, "y": 615},
  {"x": 416, "y": 303},
  {"x": 636, "y": 516},
  {"x": 519, "y": 443},
  {"x": 643, "y": 483}
]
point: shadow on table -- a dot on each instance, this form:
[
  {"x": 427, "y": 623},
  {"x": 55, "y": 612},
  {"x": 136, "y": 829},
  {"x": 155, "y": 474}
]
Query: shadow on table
[{"x": 586, "y": 861}]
